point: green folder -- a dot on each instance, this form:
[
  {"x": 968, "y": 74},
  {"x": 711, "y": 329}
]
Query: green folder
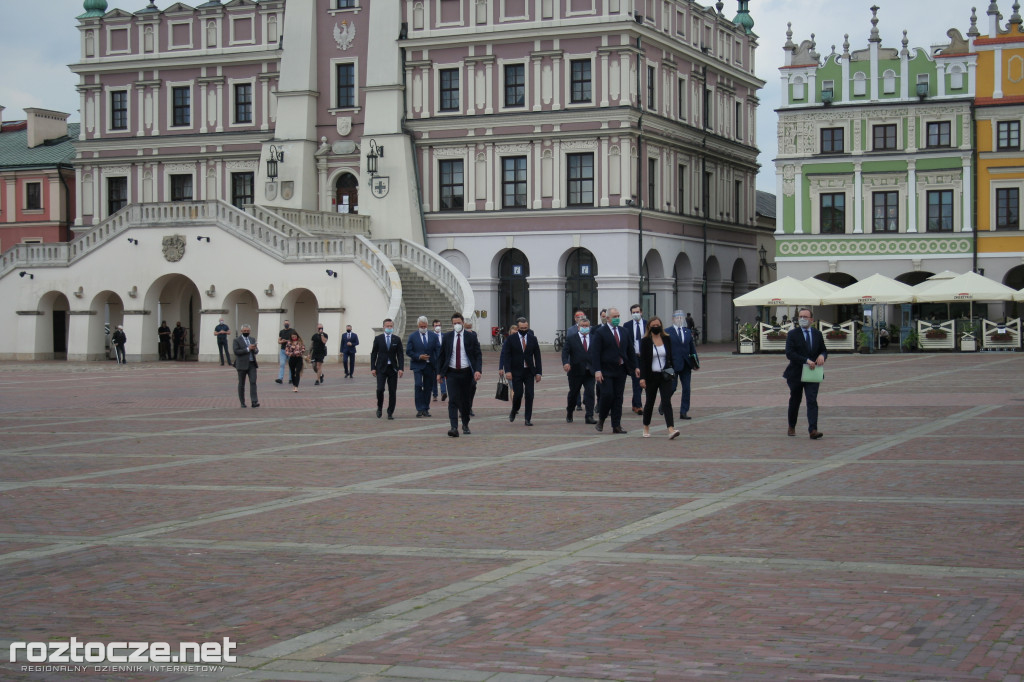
[{"x": 812, "y": 376}]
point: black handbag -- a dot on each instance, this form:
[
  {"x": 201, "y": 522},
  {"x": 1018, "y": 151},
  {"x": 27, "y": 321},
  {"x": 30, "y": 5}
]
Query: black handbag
[
  {"x": 668, "y": 372},
  {"x": 502, "y": 391}
]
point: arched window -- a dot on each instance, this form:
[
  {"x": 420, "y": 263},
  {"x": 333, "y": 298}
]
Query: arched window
[
  {"x": 889, "y": 82},
  {"x": 581, "y": 286},
  {"x": 798, "y": 88},
  {"x": 513, "y": 288},
  {"x": 860, "y": 84}
]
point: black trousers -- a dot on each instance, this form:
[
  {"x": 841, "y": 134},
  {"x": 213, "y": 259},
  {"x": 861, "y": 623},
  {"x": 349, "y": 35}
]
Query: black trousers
[
  {"x": 461, "y": 388},
  {"x": 119, "y": 353},
  {"x": 586, "y": 382},
  {"x": 522, "y": 385},
  {"x": 251, "y": 374},
  {"x": 295, "y": 367},
  {"x": 612, "y": 389},
  {"x": 387, "y": 377},
  {"x": 655, "y": 385},
  {"x": 348, "y": 361},
  {"x": 222, "y": 350},
  {"x": 797, "y": 390},
  {"x": 165, "y": 349}
]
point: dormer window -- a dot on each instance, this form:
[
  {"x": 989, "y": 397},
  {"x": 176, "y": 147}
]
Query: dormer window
[
  {"x": 889, "y": 82},
  {"x": 827, "y": 91},
  {"x": 798, "y": 88},
  {"x": 860, "y": 84}
]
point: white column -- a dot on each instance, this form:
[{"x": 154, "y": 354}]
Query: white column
[
  {"x": 858, "y": 200},
  {"x": 470, "y": 88},
  {"x": 997, "y": 73},
  {"x": 965, "y": 203},
  {"x": 601, "y": 164},
  {"x": 798, "y": 182},
  {"x": 780, "y": 221},
  {"x": 911, "y": 196}
]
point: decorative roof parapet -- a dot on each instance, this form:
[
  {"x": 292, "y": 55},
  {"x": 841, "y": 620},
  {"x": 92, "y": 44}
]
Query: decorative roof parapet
[{"x": 875, "y": 37}]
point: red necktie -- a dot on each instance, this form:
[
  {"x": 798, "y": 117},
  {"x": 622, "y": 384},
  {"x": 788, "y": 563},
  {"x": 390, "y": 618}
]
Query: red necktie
[
  {"x": 584, "y": 344},
  {"x": 616, "y": 333},
  {"x": 458, "y": 351}
]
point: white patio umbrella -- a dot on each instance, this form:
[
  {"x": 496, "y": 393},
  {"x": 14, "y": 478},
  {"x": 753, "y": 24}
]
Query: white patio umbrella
[
  {"x": 1019, "y": 296},
  {"x": 876, "y": 289},
  {"x": 821, "y": 286},
  {"x": 969, "y": 286},
  {"x": 787, "y": 291}
]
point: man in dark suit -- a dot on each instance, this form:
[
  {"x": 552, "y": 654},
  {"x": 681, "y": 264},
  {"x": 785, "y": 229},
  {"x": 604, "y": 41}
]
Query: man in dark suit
[
  {"x": 387, "y": 364},
  {"x": 460, "y": 364},
  {"x": 684, "y": 360},
  {"x": 612, "y": 354},
  {"x": 635, "y": 329},
  {"x": 423, "y": 350},
  {"x": 573, "y": 331},
  {"x": 520, "y": 354},
  {"x": 245, "y": 350},
  {"x": 578, "y": 365},
  {"x": 805, "y": 346},
  {"x": 349, "y": 341}
]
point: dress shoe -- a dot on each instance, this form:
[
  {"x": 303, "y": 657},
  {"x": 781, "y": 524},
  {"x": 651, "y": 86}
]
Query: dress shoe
[
  {"x": 600, "y": 426},
  {"x": 591, "y": 420},
  {"x": 815, "y": 435},
  {"x": 638, "y": 410},
  {"x": 465, "y": 430},
  {"x": 791, "y": 431},
  {"x": 619, "y": 430},
  {"x": 390, "y": 416},
  {"x": 528, "y": 422},
  {"x": 243, "y": 404},
  {"x": 472, "y": 413},
  {"x": 454, "y": 433},
  {"x": 316, "y": 383},
  {"x": 444, "y": 397},
  {"x": 378, "y": 413},
  {"x": 568, "y": 418},
  {"x": 435, "y": 398},
  {"x": 419, "y": 414},
  {"x": 661, "y": 411},
  {"x": 579, "y": 408},
  {"x": 255, "y": 404},
  {"x": 683, "y": 415},
  {"x": 278, "y": 381},
  {"x": 426, "y": 413},
  {"x": 512, "y": 416}
]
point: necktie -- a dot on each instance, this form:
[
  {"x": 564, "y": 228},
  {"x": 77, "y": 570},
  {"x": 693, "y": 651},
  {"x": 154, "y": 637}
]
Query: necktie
[
  {"x": 807, "y": 337},
  {"x": 458, "y": 351},
  {"x": 615, "y": 332},
  {"x": 523, "y": 339},
  {"x": 584, "y": 344},
  {"x": 424, "y": 337}
]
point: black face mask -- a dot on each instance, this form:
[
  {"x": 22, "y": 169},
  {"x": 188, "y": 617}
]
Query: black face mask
[{"x": 655, "y": 329}]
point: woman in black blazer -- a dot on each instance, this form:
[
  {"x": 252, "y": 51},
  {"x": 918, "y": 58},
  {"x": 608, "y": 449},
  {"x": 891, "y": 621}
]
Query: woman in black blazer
[{"x": 655, "y": 357}]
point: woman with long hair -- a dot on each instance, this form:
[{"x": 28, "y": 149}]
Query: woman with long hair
[
  {"x": 294, "y": 350},
  {"x": 656, "y": 374}
]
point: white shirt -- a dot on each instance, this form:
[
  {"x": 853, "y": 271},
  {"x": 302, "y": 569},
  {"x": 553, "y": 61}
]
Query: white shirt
[
  {"x": 658, "y": 359},
  {"x": 637, "y": 335},
  {"x": 464, "y": 358}
]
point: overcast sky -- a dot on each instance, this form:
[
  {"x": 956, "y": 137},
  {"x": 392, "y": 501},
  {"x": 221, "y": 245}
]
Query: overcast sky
[{"x": 39, "y": 38}]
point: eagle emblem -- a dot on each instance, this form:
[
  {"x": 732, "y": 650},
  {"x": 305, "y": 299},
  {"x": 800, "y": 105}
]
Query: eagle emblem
[
  {"x": 174, "y": 248},
  {"x": 344, "y": 35}
]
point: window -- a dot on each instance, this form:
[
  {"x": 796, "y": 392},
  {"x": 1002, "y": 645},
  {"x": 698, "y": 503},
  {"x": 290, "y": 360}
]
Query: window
[
  {"x": 243, "y": 103},
  {"x": 833, "y": 213},
  {"x": 798, "y": 88},
  {"x": 737, "y": 201},
  {"x": 346, "y": 85},
  {"x": 859, "y": 84},
  {"x": 886, "y": 212},
  {"x": 884, "y": 136},
  {"x": 581, "y": 179},
  {"x": 33, "y": 196},
  {"x": 181, "y": 188},
  {"x": 681, "y": 196},
  {"x": 681, "y": 104},
  {"x": 449, "y": 89},
  {"x": 956, "y": 78},
  {"x": 1009, "y": 135},
  {"x": 119, "y": 110},
  {"x": 117, "y": 194},
  {"x": 241, "y": 189},
  {"x": 1008, "y": 209},
  {"x": 739, "y": 121},
  {"x": 940, "y": 210},
  {"x": 889, "y": 82},
  {"x": 707, "y": 108},
  {"x": 515, "y": 85},
  {"x": 832, "y": 140},
  {"x": 346, "y": 4},
  {"x": 938, "y": 134},
  {"x": 451, "y": 187},
  {"x": 513, "y": 182},
  {"x": 579, "y": 80},
  {"x": 652, "y": 184},
  {"x": 650, "y": 87},
  {"x": 182, "y": 102}
]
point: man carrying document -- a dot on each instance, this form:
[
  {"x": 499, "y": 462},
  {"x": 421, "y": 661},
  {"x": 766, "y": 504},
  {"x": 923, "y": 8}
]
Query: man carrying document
[{"x": 806, "y": 352}]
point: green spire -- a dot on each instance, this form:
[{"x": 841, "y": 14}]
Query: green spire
[
  {"x": 743, "y": 17},
  {"x": 94, "y": 8}
]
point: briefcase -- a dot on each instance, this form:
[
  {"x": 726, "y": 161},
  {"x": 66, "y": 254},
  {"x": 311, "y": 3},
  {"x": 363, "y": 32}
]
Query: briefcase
[{"x": 502, "y": 391}]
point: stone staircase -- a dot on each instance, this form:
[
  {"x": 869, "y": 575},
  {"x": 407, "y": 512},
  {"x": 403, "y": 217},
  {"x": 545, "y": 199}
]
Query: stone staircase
[{"x": 422, "y": 297}]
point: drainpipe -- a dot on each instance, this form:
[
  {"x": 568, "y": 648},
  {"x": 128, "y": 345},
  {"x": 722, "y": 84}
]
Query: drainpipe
[
  {"x": 639, "y": 177},
  {"x": 67, "y": 196},
  {"x": 974, "y": 188}
]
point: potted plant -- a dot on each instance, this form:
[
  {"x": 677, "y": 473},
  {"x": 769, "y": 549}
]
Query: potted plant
[
  {"x": 747, "y": 335},
  {"x": 836, "y": 334},
  {"x": 1000, "y": 335},
  {"x": 910, "y": 341},
  {"x": 935, "y": 333},
  {"x": 969, "y": 337},
  {"x": 775, "y": 334},
  {"x": 862, "y": 342}
]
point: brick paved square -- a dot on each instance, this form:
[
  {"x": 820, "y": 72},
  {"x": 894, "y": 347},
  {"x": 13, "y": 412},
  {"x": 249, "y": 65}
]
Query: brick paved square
[
  {"x": 980, "y": 535},
  {"x": 1004, "y": 480},
  {"x": 953, "y": 448},
  {"x": 89, "y": 511},
  {"x": 173, "y": 595},
  {"x": 680, "y": 476},
  {"x": 8, "y": 547},
  {"x": 216, "y": 443},
  {"x": 661, "y": 622},
  {"x": 480, "y": 521},
  {"x": 989, "y": 424},
  {"x": 34, "y": 467}
]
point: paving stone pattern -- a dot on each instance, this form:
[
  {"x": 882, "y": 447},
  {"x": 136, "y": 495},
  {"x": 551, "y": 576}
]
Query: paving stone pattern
[{"x": 139, "y": 502}]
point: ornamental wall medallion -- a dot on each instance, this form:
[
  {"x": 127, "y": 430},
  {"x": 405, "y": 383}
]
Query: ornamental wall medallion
[
  {"x": 174, "y": 248},
  {"x": 344, "y": 35},
  {"x": 287, "y": 189},
  {"x": 344, "y": 125}
]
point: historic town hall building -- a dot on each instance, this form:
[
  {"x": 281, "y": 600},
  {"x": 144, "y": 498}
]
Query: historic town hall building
[{"x": 350, "y": 160}]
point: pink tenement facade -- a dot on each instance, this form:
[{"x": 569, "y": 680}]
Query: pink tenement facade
[{"x": 529, "y": 157}]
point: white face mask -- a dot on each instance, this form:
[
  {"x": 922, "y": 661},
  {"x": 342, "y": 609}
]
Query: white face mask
[
  {"x": 804, "y": 322},
  {"x": 637, "y": 316},
  {"x": 458, "y": 327},
  {"x": 437, "y": 329}
]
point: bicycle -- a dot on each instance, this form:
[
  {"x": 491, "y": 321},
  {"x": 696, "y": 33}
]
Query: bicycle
[
  {"x": 496, "y": 338},
  {"x": 559, "y": 340},
  {"x": 696, "y": 335}
]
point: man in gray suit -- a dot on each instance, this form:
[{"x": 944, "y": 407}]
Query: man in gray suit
[{"x": 245, "y": 350}]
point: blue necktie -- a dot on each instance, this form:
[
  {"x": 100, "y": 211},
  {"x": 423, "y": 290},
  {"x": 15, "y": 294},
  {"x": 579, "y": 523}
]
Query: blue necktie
[{"x": 807, "y": 337}]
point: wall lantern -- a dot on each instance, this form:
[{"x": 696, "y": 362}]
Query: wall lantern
[{"x": 275, "y": 156}]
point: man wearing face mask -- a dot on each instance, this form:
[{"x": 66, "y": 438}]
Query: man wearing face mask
[
  {"x": 349, "y": 341},
  {"x": 521, "y": 355},
  {"x": 283, "y": 338},
  {"x": 423, "y": 350},
  {"x": 461, "y": 363},
  {"x": 439, "y": 385},
  {"x": 579, "y": 367},
  {"x": 387, "y": 364},
  {"x": 684, "y": 360},
  {"x": 635, "y": 330},
  {"x": 221, "y": 331},
  {"x": 245, "y": 351},
  {"x": 573, "y": 331},
  {"x": 612, "y": 356},
  {"x": 805, "y": 346}
]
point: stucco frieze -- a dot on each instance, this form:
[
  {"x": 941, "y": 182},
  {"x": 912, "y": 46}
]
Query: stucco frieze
[
  {"x": 580, "y": 145},
  {"x": 450, "y": 152},
  {"x": 512, "y": 148}
]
